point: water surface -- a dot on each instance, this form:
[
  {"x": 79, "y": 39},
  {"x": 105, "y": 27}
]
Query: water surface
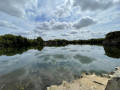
[{"x": 36, "y": 69}]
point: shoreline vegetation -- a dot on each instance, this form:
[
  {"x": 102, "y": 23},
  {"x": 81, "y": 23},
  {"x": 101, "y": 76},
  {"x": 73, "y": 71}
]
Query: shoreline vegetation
[
  {"x": 9, "y": 40},
  {"x": 11, "y": 45},
  {"x": 63, "y": 42}
]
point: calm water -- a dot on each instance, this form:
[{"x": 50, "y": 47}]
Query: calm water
[{"x": 37, "y": 69}]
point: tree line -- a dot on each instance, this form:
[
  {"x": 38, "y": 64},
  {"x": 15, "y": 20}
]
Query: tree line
[
  {"x": 112, "y": 38},
  {"x": 12, "y": 40},
  {"x": 63, "y": 42}
]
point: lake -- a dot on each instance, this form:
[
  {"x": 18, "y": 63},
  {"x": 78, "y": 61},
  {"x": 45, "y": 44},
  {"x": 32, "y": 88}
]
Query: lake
[{"x": 38, "y": 68}]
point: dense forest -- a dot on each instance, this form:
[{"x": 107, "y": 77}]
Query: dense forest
[
  {"x": 12, "y": 40},
  {"x": 112, "y": 39}
]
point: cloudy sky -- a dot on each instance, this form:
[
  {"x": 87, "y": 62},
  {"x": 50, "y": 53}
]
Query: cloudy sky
[{"x": 61, "y": 19}]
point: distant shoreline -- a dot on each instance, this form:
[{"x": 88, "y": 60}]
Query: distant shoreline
[{"x": 9, "y": 40}]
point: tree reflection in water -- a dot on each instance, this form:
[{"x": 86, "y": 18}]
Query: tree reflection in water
[{"x": 112, "y": 51}]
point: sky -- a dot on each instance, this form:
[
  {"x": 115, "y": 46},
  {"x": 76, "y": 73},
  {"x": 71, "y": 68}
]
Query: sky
[{"x": 59, "y": 19}]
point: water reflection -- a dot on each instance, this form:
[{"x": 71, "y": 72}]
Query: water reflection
[
  {"x": 84, "y": 59},
  {"x": 38, "y": 69},
  {"x": 10, "y": 51},
  {"x": 13, "y": 81},
  {"x": 113, "y": 52},
  {"x": 39, "y": 76},
  {"x": 110, "y": 51}
]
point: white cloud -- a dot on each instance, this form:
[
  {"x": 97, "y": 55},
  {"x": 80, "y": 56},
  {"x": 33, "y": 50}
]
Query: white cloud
[
  {"x": 65, "y": 34},
  {"x": 15, "y": 7},
  {"x": 53, "y": 25},
  {"x": 64, "y": 9},
  {"x": 44, "y": 26},
  {"x": 60, "y": 26},
  {"x": 98, "y": 34},
  {"x": 85, "y": 31},
  {"x": 59, "y": 18},
  {"x": 84, "y": 22},
  {"x": 73, "y": 32},
  {"x": 7, "y": 24},
  {"x": 93, "y": 5}
]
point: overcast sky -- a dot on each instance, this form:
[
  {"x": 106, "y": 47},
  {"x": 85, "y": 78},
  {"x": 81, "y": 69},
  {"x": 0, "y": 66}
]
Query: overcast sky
[{"x": 61, "y": 19}]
